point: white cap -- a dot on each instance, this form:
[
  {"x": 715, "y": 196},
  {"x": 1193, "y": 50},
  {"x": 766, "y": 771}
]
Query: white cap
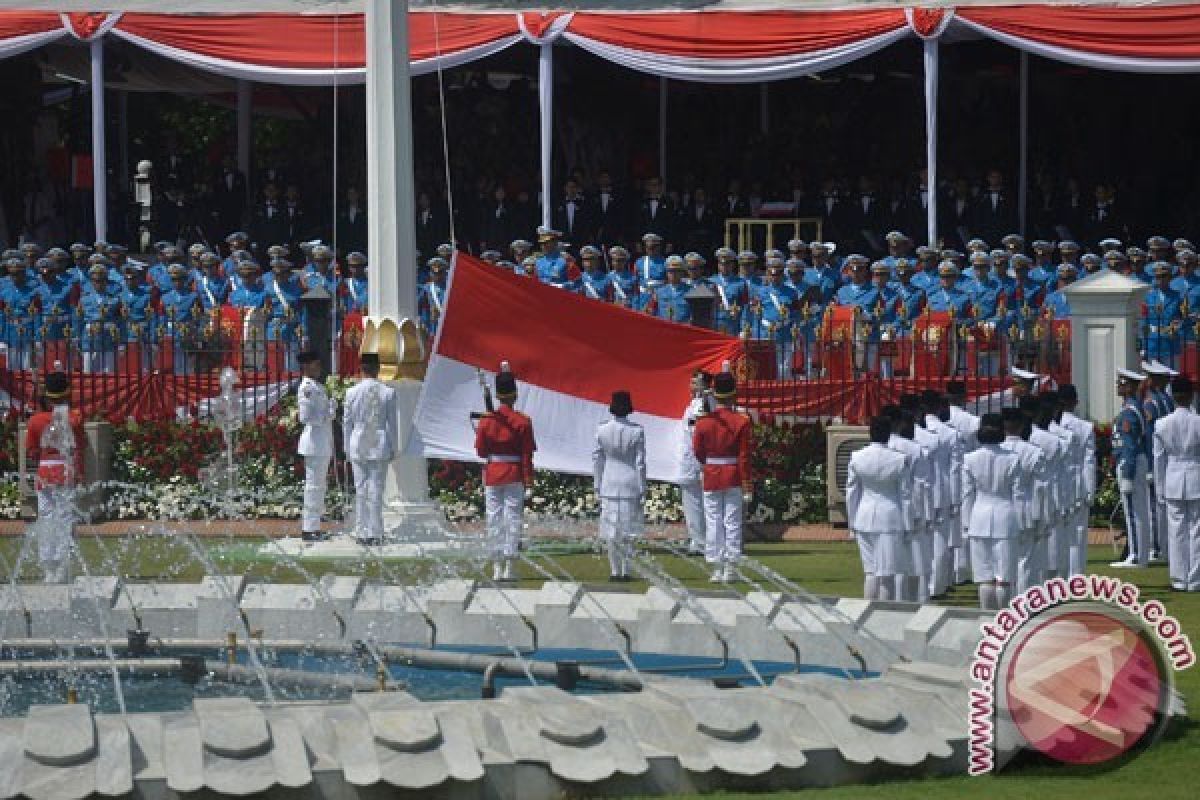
[
  {"x": 1024, "y": 375},
  {"x": 1161, "y": 369},
  {"x": 1130, "y": 375}
]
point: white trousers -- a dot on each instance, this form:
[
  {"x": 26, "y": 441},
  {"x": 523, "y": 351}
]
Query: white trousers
[
  {"x": 1078, "y": 525},
  {"x": 55, "y": 531},
  {"x": 99, "y": 361},
  {"x": 1029, "y": 559},
  {"x": 1183, "y": 532},
  {"x": 368, "y": 498},
  {"x": 723, "y": 526},
  {"x": 692, "y": 493},
  {"x": 316, "y": 477},
  {"x": 1137, "y": 516},
  {"x": 504, "y": 506},
  {"x": 1164, "y": 538}
]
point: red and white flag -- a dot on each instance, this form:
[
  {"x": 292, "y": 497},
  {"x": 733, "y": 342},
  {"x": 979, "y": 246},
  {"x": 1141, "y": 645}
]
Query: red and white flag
[{"x": 568, "y": 353}]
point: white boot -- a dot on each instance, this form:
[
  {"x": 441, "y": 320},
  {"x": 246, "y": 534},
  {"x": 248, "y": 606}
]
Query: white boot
[
  {"x": 614, "y": 559},
  {"x": 508, "y": 570},
  {"x": 497, "y": 571},
  {"x": 728, "y": 573}
]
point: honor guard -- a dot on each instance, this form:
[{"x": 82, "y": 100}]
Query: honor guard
[
  {"x": 1014, "y": 243},
  {"x": 994, "y": 513},
  {"x": 1162, "y": 318},
  {"x": 1177, "y": 479},
  {"x": 595, "y": 279},
  {"x": 622, "y": 281},
  {"x": 1085, "y": 457},
  {"x": 772, "y": 316},
  {"x": 940, "y": 499},
  {"x": 732, "y": 293},
  {"x": 504, "y": 440},
  {"x": 1032, "y": 463},
  {"x": 992, "y": 303},
  {"x": 883, "y": 341},
  {"x": 1056, "y": 305},
  {"x": 823, "y": 273},
  {"x": 879, "y": 512},
  {"x": 1129, "y": 453},
  {"x": 100, "y": 319},
  {"x": 491, "y": 257},
  {"x": 252, "y": 299},
  {"x": 947, "y": 296},
  {"x": 651, "y": 268},
  {"x": 319, "y": 272},
  {"x": 431, "y": 300},
  {"x": 369, "y": 434},
  {"x": 354, "y": 286},
  {"x": 913, "y": 585},
  {"x": 142, "y": 308},
  {"x": 899, "y": 246},
  {"x": 237, "y": 242},
  {"x": 937, "y": 421},
  {"x": 182, "y": 312},
  {"x": 691, "y": 473},
  {"x": 1159, "y": 250},
  {"x": 1116, "y": 261},
  {"x": 926, "y": 277},
  {"x": 1043, "y": 561},
  {"x": 21, "y": 300},
  {"x": 551, "y": 265},
  {"x": 963, "y": 421},
  {"x": 1138, "y": 259},
  {"x": 794, "y": 275},
  {"x": 721, "y": 442},
  {"x": 520, "y": 249},
  {"x": 54, "y": 441},
  {"x": 60, "y": 296},
  {"x": 211, "y": 285},
  {"x": 798, "y": 250},
  {"x": 1156, "y": 404},
  {"x": 747, "y": 263},
  {"x": 285, "y": 288},
  {"x": 316, "y": 411},
  {"x": 667, "y": 301},
  {"x": 1187, "y": 284},
  {"x": 619, "y": 475},
  {"x": 697, "y": 270}
]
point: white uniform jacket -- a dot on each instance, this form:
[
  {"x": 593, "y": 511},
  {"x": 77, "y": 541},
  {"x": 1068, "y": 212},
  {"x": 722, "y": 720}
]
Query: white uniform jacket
[
  {"x": 921, "y": 462},
  {"x": 1177, "y": 456},
  {"x": 316, "y": 412},
  {"x": 690, "y": 470},
  {"x": 619, "y": 459},
  {"x": 878, "y": 491},
  {"x": 1086, "y": 433},
  {"x": 369, "y": 422},
  {"x": 993, "y": 496},
  {"x": 1033, "y": 477}
]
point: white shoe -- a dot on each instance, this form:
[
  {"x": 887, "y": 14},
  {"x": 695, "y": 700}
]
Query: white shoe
[
  {"x": 1129, "y": 562},
  {"x": 717, "y": 576},
  {"x": 1155, "y": 557},
  {"x": 729, "y": 575},
  {"x": 497, "y": 571},
  {"x": 508, "y": 570}
]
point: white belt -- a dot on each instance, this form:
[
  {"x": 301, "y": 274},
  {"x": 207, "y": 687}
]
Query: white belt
[
  {"x": 504, "y": 459},
  {"x": 722, "y": 461},
  {"x": 1182, "y": 460},
  {"x": 52, "y": 462}
]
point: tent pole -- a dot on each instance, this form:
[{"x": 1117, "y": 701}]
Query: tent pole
[
  {"x": 245, "y": 127},
  {"x": 662, "y": 131},
  {"x": 1023, "y": 169},
  {"x": 99, "y": 165},
  {"x": 764, "y": 108},
  {"x": 546, "y": 109},
  {"x": 123, "y": 134},
  {"x": 931, "y": 103}
]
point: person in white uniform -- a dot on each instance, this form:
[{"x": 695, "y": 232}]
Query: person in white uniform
[
  {"x": 370, "y": 436},
  {"x": 1130, "y": 454},
  {"x": 938, "y": 511},
  {"x": 1085, "y": 487},
  {"x": 691, "y": 471},
  {"x": 1017, "y": 428},
  {"x": 879, "y": 510},
  {"x": 1071, "y": 496},
  {"x": 914, "y": 586},
  {"x": 993, "y": 502},
  {"x": 937, "y": 416},
  {"x": 1049, "y": 529},
  {"x": 619, "y": 471},
  {"x": 316, "y": 411},
  {"x": 961, "y": 420},
  {"x": 1177, "y": 476}
]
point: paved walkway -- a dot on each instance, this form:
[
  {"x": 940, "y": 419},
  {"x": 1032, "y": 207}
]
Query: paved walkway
[{"x": 287, "y": 527}]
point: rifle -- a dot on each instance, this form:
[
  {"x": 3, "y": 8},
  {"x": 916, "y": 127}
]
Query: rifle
[{"x": 488, "y": 404}]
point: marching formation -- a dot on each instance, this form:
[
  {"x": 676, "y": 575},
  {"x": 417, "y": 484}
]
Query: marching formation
[{"x": 940, "y": 497}]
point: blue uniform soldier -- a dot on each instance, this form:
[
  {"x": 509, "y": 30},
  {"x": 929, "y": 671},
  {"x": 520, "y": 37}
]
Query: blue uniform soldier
[
  {"x": 353, "y": 292},
  {"x": 1056, "y": 305},
  {"x": 285, "y": 288},
  {"x": 1129, "y": 453},
  {"x": 1156, "y": 405},
  {"x": 626, "y": 291},
  {"x": 182, "y": 318},
  {"x": 667, "y": 301},
  {"x": 595, "y": 282},
  {"x": 21, "y": 303},
  {"x": 100, "y": 321},
  {"x": 772, "y": 316},
  {"x": 733, "y": 293},
  {"x": 992, "y": 303},
  {"x": 431, "y": 299},
  {"x": 60, "y": 296},
  {"x": 926, "y": 277},
  {"x": 651, "y": 268},
  {"x": 552, "y": 263},
  {"x": 1163, "y": 317}
]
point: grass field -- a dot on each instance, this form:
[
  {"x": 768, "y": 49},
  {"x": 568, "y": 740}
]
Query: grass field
[{"x": 1170, "y": 769}]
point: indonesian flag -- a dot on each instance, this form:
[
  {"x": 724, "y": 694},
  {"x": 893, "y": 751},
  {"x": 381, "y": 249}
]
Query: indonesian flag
[{"x": 568, "y": 353}]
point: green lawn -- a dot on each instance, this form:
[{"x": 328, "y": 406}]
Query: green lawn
[{"x": 1166, "y": 771}]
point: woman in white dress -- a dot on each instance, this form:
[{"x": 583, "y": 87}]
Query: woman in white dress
[
  {"x": 993, "y": 509},
  {"x": 619, "y": 470},
  {"x": 879, "y": 484}
]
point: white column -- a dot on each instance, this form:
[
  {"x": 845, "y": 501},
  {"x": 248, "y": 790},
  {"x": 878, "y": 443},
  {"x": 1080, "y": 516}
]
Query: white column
[
  {"x": 99, "y": 160},
  {"x": 391, "y": 236},
  {"x": 245, "y": 126},
  {"x": 546, "y": 118},
  {"x": 391, "y": 208},
  {"x": 1023, "y": 167},
  {"x": 764, "y": 107},
  {"x": 1105, "y": 313},
  {"x": 662, "y": 131},
  {"x": 931, "y": 129}
]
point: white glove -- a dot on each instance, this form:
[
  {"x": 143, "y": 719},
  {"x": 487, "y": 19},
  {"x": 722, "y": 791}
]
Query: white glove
[
  {"x": 528, "y": 492},
  {"x": 332, "y": 407},
  {"x": 747, "y": 498},
  {"x": 1125, "y": 485},
  {"x": 1150, "y": 478}
]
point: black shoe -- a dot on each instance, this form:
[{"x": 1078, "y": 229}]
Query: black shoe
[
  {"x": 375, "y": 542},
  {"x": 312, "y": 536},
  {"x": 614, "y": 578}
]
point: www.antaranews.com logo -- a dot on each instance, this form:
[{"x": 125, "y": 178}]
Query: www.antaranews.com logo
[{"x": 1078, "y": 669}]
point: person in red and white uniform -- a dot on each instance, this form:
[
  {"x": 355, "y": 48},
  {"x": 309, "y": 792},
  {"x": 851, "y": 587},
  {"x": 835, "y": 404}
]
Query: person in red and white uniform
[
  {"x": 54, "y": 441},
  {"x": 504, "y": 439},
  {"x": 721, "y": 442}
]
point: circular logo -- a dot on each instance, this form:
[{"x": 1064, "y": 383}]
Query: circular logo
[{"x": 1085, "y": 687}]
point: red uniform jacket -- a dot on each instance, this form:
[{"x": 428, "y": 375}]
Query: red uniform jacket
[
  {"x": 505, "y": 439},
  {"x": 724, "y": 435},
  {"x": 51, "y": 469}
]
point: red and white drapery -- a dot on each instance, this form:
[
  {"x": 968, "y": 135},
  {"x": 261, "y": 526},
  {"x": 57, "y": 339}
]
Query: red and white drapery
[{"x": 706, "y": 46}]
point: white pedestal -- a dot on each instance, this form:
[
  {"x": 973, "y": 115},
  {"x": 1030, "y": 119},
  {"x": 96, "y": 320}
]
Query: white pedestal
[
  {"x": 407, "y": 510},
  {"x": 1105, "y": 312}
]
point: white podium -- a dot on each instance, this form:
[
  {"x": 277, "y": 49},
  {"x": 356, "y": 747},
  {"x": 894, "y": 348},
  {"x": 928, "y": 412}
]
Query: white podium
[{"x": 1106, "y": 310}]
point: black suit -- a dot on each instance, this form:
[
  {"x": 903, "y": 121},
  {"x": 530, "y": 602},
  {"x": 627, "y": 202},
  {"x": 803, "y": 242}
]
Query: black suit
[
  {"x": 575, "y": 223},
  {"x": 732, "y": 207},
  {"x": 432, "y": 230},
  {"x": 914, "y": 216},
  {"x": 269, "y": 226},
  {"x": 352, "y": 233},
  {"x": 957, "y": 216},
  {"x": 862, "y": 222},
  {"x": 1103, "y": 222},
  {"x": 698, "y": 228},
  {"x": 229, "y": 199},
  {"x": 608, "y": 218},
  {"x": 655, "y": 218},
  {"x": 497, "y": 227},
  {"x": 995, "y": 216},
  {"x": 296, "y": 219}
]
